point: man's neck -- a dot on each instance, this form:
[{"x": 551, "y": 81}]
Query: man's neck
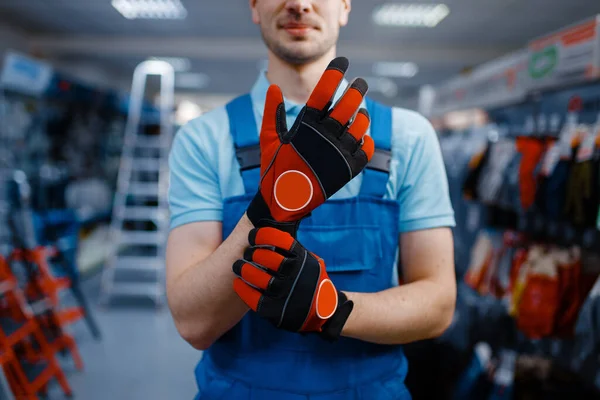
[{"x": 297, "y": 81}]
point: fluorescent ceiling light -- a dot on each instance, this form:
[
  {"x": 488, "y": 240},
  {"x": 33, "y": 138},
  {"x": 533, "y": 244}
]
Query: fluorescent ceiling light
[
  {"x": 187, "y": 111},
  {"x": 150, "y": 9},
  {"x": 414, "y": 15},
  {"x": 180, "y": 64},
  {"x": 191, "y": 80},
  {"x": 396, "y": 69}
]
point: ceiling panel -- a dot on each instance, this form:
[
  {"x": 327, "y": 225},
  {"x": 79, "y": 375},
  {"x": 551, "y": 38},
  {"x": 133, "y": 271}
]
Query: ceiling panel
[
  {"x": 479, "y": 28},
  {"x": 471, "y": 22}
]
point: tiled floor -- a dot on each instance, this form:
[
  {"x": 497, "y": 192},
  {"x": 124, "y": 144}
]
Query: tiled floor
[{"x": 140, "y": 356}]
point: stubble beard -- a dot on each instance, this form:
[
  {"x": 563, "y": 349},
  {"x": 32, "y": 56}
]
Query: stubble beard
[{"x": 297, "y": 56}]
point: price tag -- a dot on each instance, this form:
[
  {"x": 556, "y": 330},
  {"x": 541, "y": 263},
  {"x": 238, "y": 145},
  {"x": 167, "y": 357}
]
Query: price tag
[
  {"x": 529, "y": 127},
  {"x": 542, "y": 123},
  {"x": 554, "y": 122},
  {"x": 551, "y": 159}
]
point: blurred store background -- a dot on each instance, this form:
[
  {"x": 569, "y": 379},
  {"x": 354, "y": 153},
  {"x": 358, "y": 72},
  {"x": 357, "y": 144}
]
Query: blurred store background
[{"x": 512, "y": 87}]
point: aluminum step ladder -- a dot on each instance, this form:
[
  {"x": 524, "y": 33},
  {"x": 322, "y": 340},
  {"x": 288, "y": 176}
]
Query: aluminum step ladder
[{"x": 135, "y": 263}]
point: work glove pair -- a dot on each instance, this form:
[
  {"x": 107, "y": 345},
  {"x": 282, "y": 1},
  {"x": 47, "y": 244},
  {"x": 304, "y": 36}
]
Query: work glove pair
[{"x": 300, "y": 169}]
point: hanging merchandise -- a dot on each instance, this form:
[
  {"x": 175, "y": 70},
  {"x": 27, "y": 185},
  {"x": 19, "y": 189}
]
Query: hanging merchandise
[
  {"x": 582, "y": 196},
  {"x": 460, "y": 151},
  {"x": 472, "y": 383},
  {"x": 527, "y": 270},
  {"x": 481, "y": 259},
  {"x": 587, "y": 330},
  {"x": 504, "y": 377},
  {"x": 571, "y": 285},
  {"x": 538, "y": 303},
  {"x": 531, "y": 150},
  {"x": 501, "y": 155}
]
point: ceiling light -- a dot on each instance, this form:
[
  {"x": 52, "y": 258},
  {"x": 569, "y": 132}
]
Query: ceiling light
[
  {"x": 179, "y": 64},
  {"x": 191, "y": 80},
  {"x": 396, "y": 69},
  {"x": 187, "y": 111},
  {"x": 150, "y": 9},
  {"x": 414, "y": 15}
]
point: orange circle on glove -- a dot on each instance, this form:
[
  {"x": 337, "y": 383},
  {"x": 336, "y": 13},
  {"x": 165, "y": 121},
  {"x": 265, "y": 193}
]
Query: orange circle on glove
[
  {"x": 293, "y": 190},
  {"x": 327, "y": 299}
]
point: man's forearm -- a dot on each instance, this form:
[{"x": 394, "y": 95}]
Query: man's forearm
[
  {"x": 411, "y": 312},
  {"x": 202, "y": 300}
]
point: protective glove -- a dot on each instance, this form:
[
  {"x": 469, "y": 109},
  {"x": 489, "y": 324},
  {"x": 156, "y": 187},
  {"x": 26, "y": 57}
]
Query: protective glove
[
  {"x": 287, "y": 285},
  {"x": 304, "y": 166}
]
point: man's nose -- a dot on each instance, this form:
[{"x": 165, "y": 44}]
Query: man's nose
[{"x": 299, "y": 6}]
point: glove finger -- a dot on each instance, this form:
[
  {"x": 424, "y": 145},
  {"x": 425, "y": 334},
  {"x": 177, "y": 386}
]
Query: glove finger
[
  {"x": 266, "y": 258},
  {"x": 359, "y": 126},
  {"x": 350, "y": 101},
  {"x": 274, "y": 113},
  {"x": 368, "y": 147},
  {"x": 247, "y": 293},
  {"x": 253, "y": 275},
  {"x": 322, "y": 95},
  {"x": 271, "y": 237}
]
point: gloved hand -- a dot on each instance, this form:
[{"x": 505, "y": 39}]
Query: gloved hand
[
  {"x": 304, "y": 166},
  {"x": 286, "y": 284}
]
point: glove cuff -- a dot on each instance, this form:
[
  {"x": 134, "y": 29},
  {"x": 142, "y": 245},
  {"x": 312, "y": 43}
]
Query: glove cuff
[
  {"x": 260, "y": 216},
  {"x": 332, "y": 329}
]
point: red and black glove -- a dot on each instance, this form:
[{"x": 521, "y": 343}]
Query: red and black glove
[
  {"x": 323, "y": 151},
  {"x": 287, "y": 285}
]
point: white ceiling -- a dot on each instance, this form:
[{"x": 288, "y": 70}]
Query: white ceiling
[{"x": 223, "y": 43}]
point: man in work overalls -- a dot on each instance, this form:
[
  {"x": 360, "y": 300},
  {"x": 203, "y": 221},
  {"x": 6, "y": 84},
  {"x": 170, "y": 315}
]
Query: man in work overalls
[{"x": 292, "y": 209}]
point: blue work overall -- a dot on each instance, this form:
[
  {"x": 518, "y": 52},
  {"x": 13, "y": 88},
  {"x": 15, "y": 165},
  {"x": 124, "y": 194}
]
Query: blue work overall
[{"x": 358, "y": 239}]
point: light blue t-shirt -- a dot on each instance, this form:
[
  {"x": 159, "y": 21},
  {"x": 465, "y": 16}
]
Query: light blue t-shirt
[{"x": 204, "y": 170}]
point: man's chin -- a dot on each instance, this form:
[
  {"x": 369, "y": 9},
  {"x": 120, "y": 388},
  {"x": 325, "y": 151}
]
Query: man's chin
[{"x": 299, "y": 52}]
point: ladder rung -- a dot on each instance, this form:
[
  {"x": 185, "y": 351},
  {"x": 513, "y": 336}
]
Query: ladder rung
[
  {"x": 136, "y": 289},
  {"x": 143, "y": 213},
  {"x": 144, "y": 189},
  {"x": 153, "y": 238},
  {"x": 148, "y": 143},
  {"x": 139, "y": 263},
  {"x": 146, "y": 164}
]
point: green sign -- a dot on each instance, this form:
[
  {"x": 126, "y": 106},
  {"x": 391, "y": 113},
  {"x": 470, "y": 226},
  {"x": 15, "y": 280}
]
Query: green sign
[{"x": 543, "y": 62}]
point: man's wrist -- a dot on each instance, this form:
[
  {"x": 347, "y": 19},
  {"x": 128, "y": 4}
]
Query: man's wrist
[{"x": 245, "y": 223}]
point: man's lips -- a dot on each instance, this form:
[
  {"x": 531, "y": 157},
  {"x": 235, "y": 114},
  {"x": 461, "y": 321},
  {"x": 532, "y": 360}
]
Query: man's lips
[{"x": 296, "y": 29}]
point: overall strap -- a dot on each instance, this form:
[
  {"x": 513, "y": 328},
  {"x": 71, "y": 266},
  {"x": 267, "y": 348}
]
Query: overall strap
[
  {"x": 242, "y": 126},
  {"x": 376, "y": 173}
]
